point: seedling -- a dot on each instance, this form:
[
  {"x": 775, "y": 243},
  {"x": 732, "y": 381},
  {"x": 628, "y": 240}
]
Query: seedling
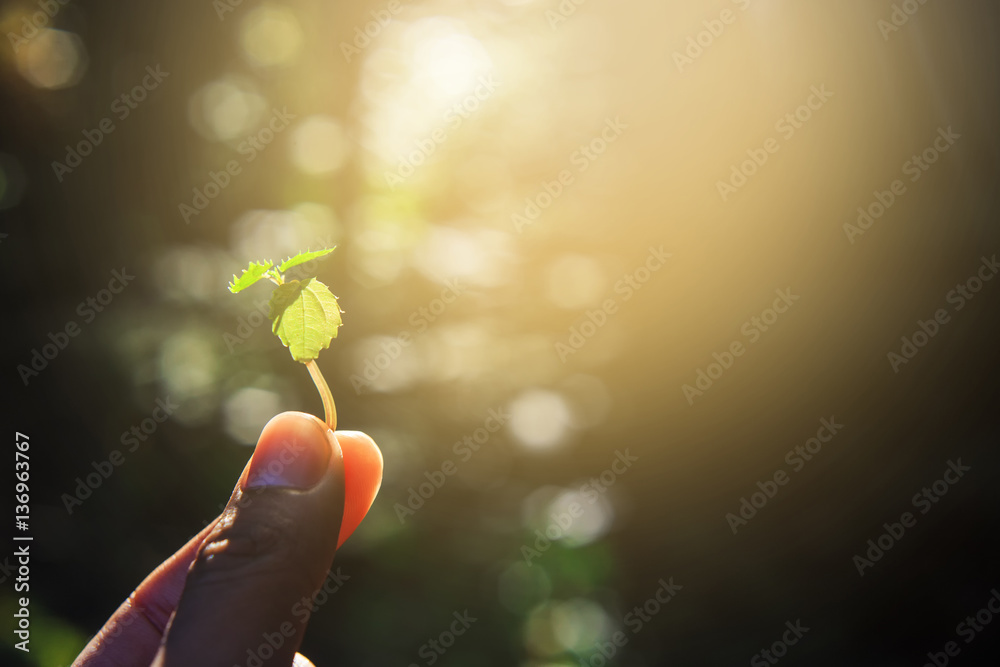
[{"x": 304, "y": 315}]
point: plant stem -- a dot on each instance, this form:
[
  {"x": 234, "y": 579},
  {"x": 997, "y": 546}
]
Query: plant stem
[{"x": 329, "y": 408}]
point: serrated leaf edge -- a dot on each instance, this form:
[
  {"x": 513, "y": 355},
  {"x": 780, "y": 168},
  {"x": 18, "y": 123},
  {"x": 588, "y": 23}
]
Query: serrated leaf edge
[
  {"x": 235, "y": 287},
  {"x": 276, "y": 320},
  {"x": 303, "y": 257}
]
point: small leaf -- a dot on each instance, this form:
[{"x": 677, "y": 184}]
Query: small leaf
[
  {"x": 304, "y": 257},
  {"x": 251, "y": 275},
  {"x": 305, "y": 316}
]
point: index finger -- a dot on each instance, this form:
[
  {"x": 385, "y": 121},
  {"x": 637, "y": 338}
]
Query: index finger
[{"x": 133, "y": 633}]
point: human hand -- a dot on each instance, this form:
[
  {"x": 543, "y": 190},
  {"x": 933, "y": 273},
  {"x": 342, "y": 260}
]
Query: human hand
[{"x": 245, "y": 575}]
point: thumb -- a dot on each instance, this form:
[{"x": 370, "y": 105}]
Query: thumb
[{"x": 251, "y": 582}]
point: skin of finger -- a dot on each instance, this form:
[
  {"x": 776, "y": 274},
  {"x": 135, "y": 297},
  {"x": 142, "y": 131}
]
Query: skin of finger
[
  {"x": 132, "y": 635},
  {"x": 256, "y": 572},
  {"x": 363, "y": 478}
]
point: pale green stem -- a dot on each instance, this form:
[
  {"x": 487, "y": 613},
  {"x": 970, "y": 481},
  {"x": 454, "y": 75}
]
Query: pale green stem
[{"x": 329, "y": 409}]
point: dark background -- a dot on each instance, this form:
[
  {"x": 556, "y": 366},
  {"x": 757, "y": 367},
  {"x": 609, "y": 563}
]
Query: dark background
[{"x": 656, "y": 186}]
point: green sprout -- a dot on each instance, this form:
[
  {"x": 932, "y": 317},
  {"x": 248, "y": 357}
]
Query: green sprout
[{"x": 304, "y": 315}]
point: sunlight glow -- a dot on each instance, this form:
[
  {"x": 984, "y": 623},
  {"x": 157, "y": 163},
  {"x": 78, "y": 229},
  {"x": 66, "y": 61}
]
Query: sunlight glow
[
  {"x": 540, "y": 419},
  {"x": 425, "y": 68},
  {"x": 53, "y": 59},
  {"x": 319, "y": 145},
  {"x": 226, "y": 108},
  {"x": 271, "y": 36}
]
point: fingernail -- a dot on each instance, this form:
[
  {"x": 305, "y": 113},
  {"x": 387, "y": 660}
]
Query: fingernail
[{"x": 293, "y": 451}]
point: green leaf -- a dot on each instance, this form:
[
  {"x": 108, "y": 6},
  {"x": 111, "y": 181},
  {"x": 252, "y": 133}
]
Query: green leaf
[
  {"x": 305, "y": 316},
  {"x": 304, "y": 257},
  {"x": 251, "y": 275}
]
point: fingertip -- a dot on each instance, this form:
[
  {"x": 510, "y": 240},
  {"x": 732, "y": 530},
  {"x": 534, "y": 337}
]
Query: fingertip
[
  {"x": 294, "y": 450},
  {"x": 362, "y": 478}
]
